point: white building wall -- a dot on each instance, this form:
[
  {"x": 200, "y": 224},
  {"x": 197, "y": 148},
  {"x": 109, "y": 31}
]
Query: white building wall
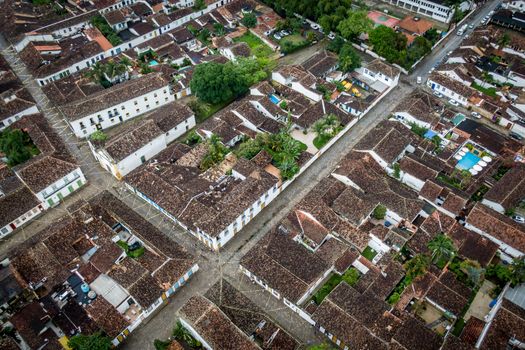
[
  {"x": 493, "y": 205},
  {"x": 407, "y": 119},
  {"x": 21, "y": 220},
  {"x": 127, "y": 110},
  {"x": 57, "y": 191},
  {"x": 13, "y": 118},
  {"x": 431, "y": 9},
  {"x": 504, "y": 247},
  {"x": 447, "y": 92}
]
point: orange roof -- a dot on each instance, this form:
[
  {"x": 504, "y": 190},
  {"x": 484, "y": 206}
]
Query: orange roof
[
  {"x": 410, "y": 38},
  {"x": 48, "y": 47},
  {"x": 419, "y": 26},
  {"x": 158, "y": 7},
  {"x": 96, "y": 35}
]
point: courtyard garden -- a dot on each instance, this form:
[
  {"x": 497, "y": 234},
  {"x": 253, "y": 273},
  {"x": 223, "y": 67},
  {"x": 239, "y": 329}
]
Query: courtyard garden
[{"x": 351, "y": 276}]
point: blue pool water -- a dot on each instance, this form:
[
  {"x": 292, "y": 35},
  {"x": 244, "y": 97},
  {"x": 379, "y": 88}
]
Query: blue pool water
[
  {"x": 274, "y": 99},
  {"x": 153, "y": 63},
  {"x": 468, "y": 161},
  {"x": 429, "y": 134}
]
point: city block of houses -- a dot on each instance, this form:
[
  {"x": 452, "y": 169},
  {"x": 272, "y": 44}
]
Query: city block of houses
[
  {"x": 343, "y": 267},
  {"x": 485, "y": 75},
  {"x": 102, "y": 267}
]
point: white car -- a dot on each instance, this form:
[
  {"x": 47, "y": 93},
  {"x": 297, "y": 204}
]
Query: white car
[
  {"x": 438, "y": 94},
  {"x": 418, "y": 80},
  {"x": 277, "y": 36},
  {"x": 331, "y": 36},
  {"x": 476, "y": 115},
  {"x": 518, "y": 219},
  {"x": 453, "y": 102},
  {"x": 314, "y": 26},
  {"x": 449, "y": 53},
  {"x": 471, "y": 26}
]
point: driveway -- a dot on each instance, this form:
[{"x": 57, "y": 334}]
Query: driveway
[{"x": 307, "y": 139}]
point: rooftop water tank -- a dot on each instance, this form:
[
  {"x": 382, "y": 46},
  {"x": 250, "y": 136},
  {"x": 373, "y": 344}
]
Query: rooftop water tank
[{"x": 84, "y": 287}]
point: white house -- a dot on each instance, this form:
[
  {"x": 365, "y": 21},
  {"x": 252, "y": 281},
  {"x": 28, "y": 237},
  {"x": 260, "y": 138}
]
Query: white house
[
  {"x": 14, "y": 104},
  {"x": 298, "y": 79},
  {"x": 143, "y": 140},
  {"x": 117, "y": 104},
  {"x": 450, "y": 88},
  {"x": 382, "y": 72},
  {"x": 515, "y": 5},
  {"x": 436, "y": 9}
]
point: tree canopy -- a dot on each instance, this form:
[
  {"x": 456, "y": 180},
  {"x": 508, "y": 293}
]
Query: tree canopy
[
  {"x": 388, "y": 43},
  {"x": 215, "y": 83},
  {"x": 349, "y": 59},
  {"x": 96, "y": 341},
  {"x": 249, "y": 20},
  {"x": 17, "y": 146},
  {"x": 442, "y": 247},
  {"x": 354, "y": 24}
]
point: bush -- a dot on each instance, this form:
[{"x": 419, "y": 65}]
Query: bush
[
  {"x": 288, "y": 46},
  {"x": 283, "y": 105},
  {"x": 106, "y": 30},
  {"x": 394, "y": 298},
  {"x": 351, "y": 276},
  {"x": 98, "y": 136},
  {"x": 397, "y": 171},
  {"x": 379, "y": 212},
  {"x": 96, "y": 341},
  {"x": 249, "y": 20},
  {"x": 161, "y": 344}
]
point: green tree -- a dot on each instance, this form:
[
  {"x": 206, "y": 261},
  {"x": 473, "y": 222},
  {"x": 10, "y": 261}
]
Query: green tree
[
  {"x": 95, "y": 341},
  {"x": 288, "y": 168},
  {"x": 379, "y": 212},
  {"x": 216, "y": 152},
  {"x": 388, "y": 43},
  {"x": 356, "y": 23},
  {"x": 326, "y": 23},
  {"x": 504, "y": 40},
  {"x": 199, "y": 5},
  {"x": 248, "y": 149},
  {"x": 322, "y": 346},
  {"x": 249, "y": 20},
  {"x": 336, "y": 45},
  {"x": 216, "y": 83},
  {"x": 181, "y": 333},
  {"x": 98, "y": 136},
  {"x": 204, "y": 35},
  {"x": 17, "y": 146},
  {"x": 416, "y": 266},
  {"x": 102, "y": 25},
  {"x": 349, "y": 59},
  {"x": 442, "y": 247},
  {"x": 458, "y": 15},
  {"x": 219, "y": 29}
]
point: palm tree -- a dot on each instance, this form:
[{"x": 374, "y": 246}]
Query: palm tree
[
  {"x": 442, "y": 247},
  {"x": 503, "y": 41},
  {"x": 288, "y": 168},
  {"x": 95, "y": 73},
  {"x": 291, "y": 149},
  {"x": 320, "y": 127}
]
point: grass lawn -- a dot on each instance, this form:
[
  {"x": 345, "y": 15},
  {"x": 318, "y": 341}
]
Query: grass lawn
[
  {"x": 320, "y": 141},
  {"x": 369, "y": 253},
  {"x": 209, "y": 110},
  {"x": 294, "y": 38},
  {"x": 351, "y": 276},
  {"x": 258, "y": 47},
  {"x": 487, "y": 91}
]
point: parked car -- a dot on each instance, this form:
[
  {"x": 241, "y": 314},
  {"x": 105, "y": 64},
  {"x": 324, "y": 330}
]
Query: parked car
[
  {"x": 418, "y": 80},
  {"x": 314, "y": 26},
  {"x": 284, "y": 33},
  {"x": 515, "y": 136},
  {"x": 277, "y": 36},
  {"x": 453, "y": 102},
  {"x": 331, "y": 36},
  {"x": 518, "y": 219},
  {"x": 449, "y": 53},
  {"x": 438, "y": 94},
  {"x": 471, "y": 26},
  {"x": 476, "y": 115},
  {"x": 491, "y": 13}
]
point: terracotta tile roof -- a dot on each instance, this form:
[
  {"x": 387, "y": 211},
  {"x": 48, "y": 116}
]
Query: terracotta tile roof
[
  {"x": 508, "y": 323},
  {"x": 419, "y": 26},
  {"x": 320, "y": 63},
  {"x": 214, "y": 326},
  {"x": 498, "y": 226},
  {"x": 114, "y": 95},
  {"x": 472, "y": 330},
  {"x": 510, "y": 189},
  {"x": 378, "y": 66}
]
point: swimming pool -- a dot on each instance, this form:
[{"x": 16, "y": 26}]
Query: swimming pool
[
  {"x": 468, "y": 161},
  {"x": 153, "y": 63},
  {"x": 274, "y": 99}
]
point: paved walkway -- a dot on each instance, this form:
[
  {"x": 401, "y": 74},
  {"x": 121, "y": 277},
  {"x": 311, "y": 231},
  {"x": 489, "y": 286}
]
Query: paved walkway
[
  {"x": 212, "y": 265},
  {"x": 480, "y": 305}
]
